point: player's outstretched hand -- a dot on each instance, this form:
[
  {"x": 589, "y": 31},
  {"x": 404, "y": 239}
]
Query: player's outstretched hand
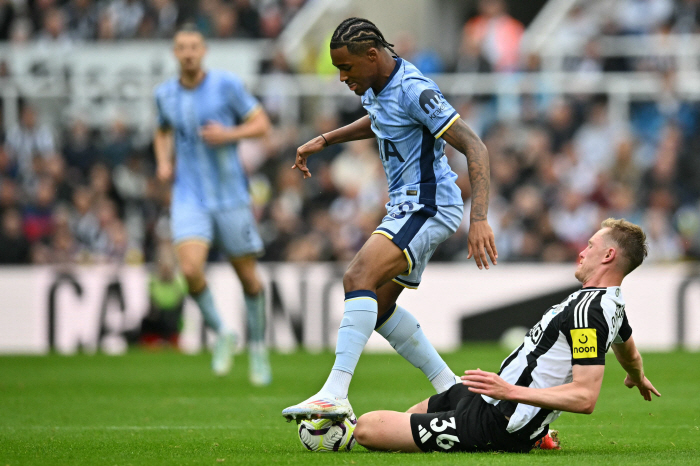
[
  {"x": 215, "y": 134},
  {"x": 317, "y": 144},
  {"x": 645, "y": 387},
  {"x": 486, "y": 383},
  {"x": 482, "y": 242}
]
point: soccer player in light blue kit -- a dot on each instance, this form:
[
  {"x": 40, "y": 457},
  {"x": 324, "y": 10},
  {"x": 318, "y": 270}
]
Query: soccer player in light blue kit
[
  {"x": 411, "y": 121},
  {"x": 207, "y": 113}
]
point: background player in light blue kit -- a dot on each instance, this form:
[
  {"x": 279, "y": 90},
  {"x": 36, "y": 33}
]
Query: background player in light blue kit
[
  {"x": 411, "y": 121},
  {"x": 206, "y": 113}
]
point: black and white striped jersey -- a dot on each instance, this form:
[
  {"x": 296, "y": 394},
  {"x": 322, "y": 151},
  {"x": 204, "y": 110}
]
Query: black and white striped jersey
[{"x": 579, "y": 330}]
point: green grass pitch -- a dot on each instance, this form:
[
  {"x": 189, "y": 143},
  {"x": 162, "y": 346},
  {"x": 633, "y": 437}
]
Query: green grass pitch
[{"x": 167, "y": 408}]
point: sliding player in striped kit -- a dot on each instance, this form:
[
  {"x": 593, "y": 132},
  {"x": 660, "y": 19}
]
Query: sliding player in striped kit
[
  {"x": 411, "y": 121},
  {"x": 559, "y": 367}
]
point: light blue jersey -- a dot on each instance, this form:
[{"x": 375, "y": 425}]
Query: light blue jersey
[
  {"x": 210, "y": 193},
  {"x": 409, "y": 115},
  {"x": 209, "y": 177}
]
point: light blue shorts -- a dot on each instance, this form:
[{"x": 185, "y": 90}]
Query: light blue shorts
[
  {"x": 417, "y": 230},
  {"x": 233, "y": 229}
]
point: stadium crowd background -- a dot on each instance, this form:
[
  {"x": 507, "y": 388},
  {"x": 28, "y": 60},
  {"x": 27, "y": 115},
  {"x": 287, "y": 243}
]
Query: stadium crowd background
[{"x": 77, "y": 194}]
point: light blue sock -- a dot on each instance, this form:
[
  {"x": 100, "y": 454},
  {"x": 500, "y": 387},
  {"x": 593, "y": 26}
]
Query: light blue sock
[
  {"x": 359, "y": 319},
  {"x": 255, "y": 305},
  {"x": 205, "y": 301},
  {"x": 403, "y": 332}
]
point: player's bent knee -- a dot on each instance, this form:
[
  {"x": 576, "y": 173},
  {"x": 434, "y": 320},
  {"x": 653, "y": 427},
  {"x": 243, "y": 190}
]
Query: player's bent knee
[
  {"x": 191, "y": 272},
  {"x": 251, "y": 286},
  {"x": 363, "y": 430},
  {"x": 356, "y": 279}
]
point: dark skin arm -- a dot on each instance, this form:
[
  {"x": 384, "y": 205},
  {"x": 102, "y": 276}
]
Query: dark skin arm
[
  {"x": 359, "y": 129},
  {"x": 481, "y": 238}
]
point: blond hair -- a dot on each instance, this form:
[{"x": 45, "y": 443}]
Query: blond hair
[{"x": 630, "y": 238}]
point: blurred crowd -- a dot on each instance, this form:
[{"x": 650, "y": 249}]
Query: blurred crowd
[
  {"x": 69, "y": 21},
  {"x": 559, "y": 167}
]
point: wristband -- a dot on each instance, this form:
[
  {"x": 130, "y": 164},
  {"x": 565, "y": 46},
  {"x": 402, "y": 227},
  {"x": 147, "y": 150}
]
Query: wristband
[{"x": 325, "y": 140}]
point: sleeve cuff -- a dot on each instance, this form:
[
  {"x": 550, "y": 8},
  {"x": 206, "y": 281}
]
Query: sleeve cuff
[
  {"x": 441, "y": 130},
  {"x": 252, "y": 112}
]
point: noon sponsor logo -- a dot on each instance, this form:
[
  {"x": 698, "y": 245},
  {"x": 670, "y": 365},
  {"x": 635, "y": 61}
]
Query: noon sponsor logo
[{"x": 584, "y": 343}]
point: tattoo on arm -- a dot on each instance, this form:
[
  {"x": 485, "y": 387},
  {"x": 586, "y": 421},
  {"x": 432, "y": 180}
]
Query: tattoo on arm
[{"x": 462, "y": 138}]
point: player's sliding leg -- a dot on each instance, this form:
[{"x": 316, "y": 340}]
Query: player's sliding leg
[
  {"x": 404, "y": 333},
  {"x": 259, "y": 365},
  {"x": 192, "y": 256},
  {"x": 375, "y": 264},
  {"x": 386, "y": 430}
]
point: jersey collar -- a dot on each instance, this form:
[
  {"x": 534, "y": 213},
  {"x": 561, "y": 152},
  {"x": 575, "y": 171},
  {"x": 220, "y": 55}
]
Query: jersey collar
[
  {"x": 198, "y": 86},
  {"x": 399, "y": 61}
]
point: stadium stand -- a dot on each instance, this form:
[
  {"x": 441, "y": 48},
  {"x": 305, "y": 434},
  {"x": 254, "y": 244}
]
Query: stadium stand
[{"x": 72, "y": 190}]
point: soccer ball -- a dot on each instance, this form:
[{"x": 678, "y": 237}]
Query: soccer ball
[{"x": 327, "y": 434}]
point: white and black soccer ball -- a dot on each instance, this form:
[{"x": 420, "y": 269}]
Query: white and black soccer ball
[{"x": 328, "y": 435}]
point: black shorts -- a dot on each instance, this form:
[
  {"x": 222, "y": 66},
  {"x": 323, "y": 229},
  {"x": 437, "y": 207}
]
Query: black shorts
[{"x": 460, "y": 420}]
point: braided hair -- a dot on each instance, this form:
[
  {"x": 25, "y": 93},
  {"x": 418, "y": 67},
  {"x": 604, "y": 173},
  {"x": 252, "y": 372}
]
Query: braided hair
[{"x": 358, "y": 34}]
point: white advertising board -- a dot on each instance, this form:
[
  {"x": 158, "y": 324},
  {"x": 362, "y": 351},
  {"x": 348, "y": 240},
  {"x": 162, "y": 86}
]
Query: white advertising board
[{"x": 89, "y": 308}]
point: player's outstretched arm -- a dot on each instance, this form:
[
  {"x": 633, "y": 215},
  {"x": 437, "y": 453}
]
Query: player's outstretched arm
[
  {"x": 257, "y": 125},
  {"x": 359, "y": 129},
  {"x": 579, "y": 396},
  {"x": 631, "y": 361},
  {"x": 163, "y": 148},
  {"x": 481, "y": 239}
]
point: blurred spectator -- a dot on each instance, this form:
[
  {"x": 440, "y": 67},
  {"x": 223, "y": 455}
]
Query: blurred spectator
[
  {"x": 206, "y": 14},
  {"x": 7, "y": 15},
  {"x": 54, "y": 29},
  {"x": 38, "y": 215},
  {"x": 686, "y": 16},
  {"x": 558, "y": 167},
  {"x": 79, "y": 148},
  {"x": 160, "y": 20},
  {"x": 21, "y": 30},
  {"x": 427, "y": 61},
  {"x": 496, "y": 35},
  {"x": 82, "y": 19},
  {"x": 225, "y": 23},
  {"x": 117, "y": 143},
  {"x": 14, "y": 247},
  {"x": 271, "y": 21},
  {"x": 595, "y": 140},
  {"x": 9, "y": 194},
  {"x": 125, "y": 17},
  {"x": 29, "y": 140},
  {"x": 167, "y": 290},
  {"x": 642, "y": 16},
  {"x": 248, "y": 19},
  {"x": 84, "y": 223}
]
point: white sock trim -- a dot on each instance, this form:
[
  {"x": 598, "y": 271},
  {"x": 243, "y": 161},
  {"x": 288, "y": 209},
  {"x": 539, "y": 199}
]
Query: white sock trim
[
  {"x": 444, "y": 380},
  {"x": 338, "y": 384}
]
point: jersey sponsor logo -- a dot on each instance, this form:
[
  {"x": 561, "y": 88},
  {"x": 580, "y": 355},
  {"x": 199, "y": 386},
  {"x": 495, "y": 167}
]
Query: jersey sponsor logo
[
  {"x": 431, "y": 103},
  {"x": 584, "y": 343}
]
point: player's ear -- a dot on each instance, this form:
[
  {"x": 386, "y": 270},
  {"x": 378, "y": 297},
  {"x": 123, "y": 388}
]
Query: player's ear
[
  {"x": 609, "y": 256},
  {"x": 372, "y": 54}
]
